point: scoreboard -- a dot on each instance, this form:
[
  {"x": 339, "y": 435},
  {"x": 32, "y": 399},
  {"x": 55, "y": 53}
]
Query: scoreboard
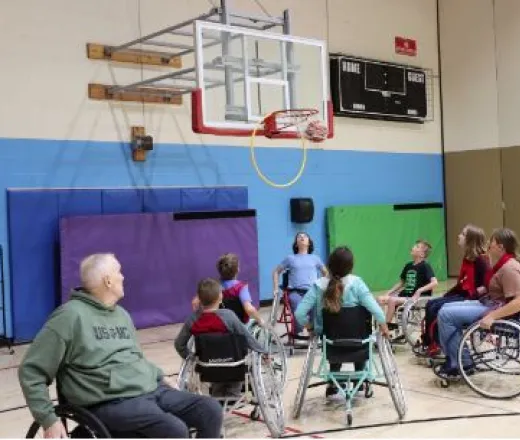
[{"x": 377, "y": 90}]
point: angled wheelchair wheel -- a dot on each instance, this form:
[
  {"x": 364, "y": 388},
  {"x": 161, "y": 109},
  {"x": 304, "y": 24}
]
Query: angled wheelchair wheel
[
  {"x": 268, "y": 394},
  {"x": 392, "y": 375},
  {"x": 188, "y": 378},
  {"x": 495, "y": 359},
  {"x": 78, "y": 422},
  {"x": 275, "y": 347},
  {"x": 411, "y": 319},
  {"x": 305, "y": 377},
  {"x": 275, "y": 307}
]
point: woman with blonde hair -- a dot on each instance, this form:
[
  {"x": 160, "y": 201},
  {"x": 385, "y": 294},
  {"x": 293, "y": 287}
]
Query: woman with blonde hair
[{"x": 470, "y": 284}]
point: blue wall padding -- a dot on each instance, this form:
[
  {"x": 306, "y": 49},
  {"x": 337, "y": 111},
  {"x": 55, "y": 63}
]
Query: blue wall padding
[
  {"x": 84, "y": 202},
  {"x": 198, "y": 199},
  {"x": 122, "y": 201},
  {"x": 162, "y": 200},
  {"x": 34, "y": 230},
  {"x": 33, "y": 234},
  {"x": 229, "y": 198}
]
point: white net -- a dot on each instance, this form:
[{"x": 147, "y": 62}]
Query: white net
[
  {"x": 302, "y": 123},
  {"x": 316, "y": 131}
]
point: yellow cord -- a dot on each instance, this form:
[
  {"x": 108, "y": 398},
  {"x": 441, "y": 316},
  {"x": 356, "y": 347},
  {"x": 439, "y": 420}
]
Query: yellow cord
[{"x": 262, "y": 175}]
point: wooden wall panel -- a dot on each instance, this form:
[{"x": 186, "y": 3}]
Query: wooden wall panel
[
  {"x": 511, "y": 187},
  {"x": 473, "y": 195}
]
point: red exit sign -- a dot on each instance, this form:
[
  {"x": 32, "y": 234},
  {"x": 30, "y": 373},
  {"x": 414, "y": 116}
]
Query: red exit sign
[{"x": 405, "y": 46}]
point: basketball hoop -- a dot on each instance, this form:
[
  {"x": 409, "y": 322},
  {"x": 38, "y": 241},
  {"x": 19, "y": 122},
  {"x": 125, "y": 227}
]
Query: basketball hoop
[
  {"x": 298, "y": 123},
  {"x": 282, "y": 120}
]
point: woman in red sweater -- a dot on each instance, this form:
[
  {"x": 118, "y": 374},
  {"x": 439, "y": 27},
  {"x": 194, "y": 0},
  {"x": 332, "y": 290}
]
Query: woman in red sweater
[{"x": 470, "y": 284}]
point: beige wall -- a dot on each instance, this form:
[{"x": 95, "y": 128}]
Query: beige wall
[
  {"x": 480, "y": 47},
  {"x": 480, "y": 43},
  {"x": 469, "y": 87},
  {"x": 507, "y": 34},
  {"x": 46, "y": 81}
]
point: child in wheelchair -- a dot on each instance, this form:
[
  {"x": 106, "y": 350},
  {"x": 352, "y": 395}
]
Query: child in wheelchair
[
  {"x": 471, "y": 283},
  {"x": 417, "y": 279},
  {"x": 328, "y": 298},
  {"x": 211, "y": 320},
  {"x": 235, "y": 293},
  {"x": 302, "y": 269}
]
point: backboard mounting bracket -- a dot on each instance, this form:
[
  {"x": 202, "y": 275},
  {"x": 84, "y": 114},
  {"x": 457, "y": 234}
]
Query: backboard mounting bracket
[
  {"x": 170, "y": 55},
  {"x": 96, "y": 51},
  {"x": 237, "y": 63}
]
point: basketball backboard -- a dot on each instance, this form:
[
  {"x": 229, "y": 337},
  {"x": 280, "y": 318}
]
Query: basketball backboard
[
  {"x": 245, "y": 74},
  {"x": 237, "y": 70}
]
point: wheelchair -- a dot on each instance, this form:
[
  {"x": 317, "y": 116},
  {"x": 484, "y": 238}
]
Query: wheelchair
[
  {"x": 275, "y": 349},
  {"x": 78, "y": 423},
  {"x": 350, "y": 344},
  {"x": 218, "y": 358},
  {"x": 409, "y": 316},
  {"x": 267, "y": 338},
  {"x": 286, "y": 317},
  {"x": 494, "y": 356}
]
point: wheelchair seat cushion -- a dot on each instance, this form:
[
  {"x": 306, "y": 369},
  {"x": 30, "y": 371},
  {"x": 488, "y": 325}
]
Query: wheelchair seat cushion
[
  {"x": 347, "y": 329},
  {"x": 220, "y": 348}
]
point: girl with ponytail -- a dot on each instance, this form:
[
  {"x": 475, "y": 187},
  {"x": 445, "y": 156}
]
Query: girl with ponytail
[{"x": 337, "y": 290}]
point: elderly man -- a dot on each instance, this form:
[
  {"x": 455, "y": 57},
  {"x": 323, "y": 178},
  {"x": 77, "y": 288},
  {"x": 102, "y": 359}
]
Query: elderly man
[{"x": 90, "y": 345}]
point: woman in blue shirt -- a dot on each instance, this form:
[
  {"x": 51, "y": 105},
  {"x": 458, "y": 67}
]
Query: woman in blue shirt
[
  {"x": 339, "y": 289},
  {"x": 303, "y": 268}
]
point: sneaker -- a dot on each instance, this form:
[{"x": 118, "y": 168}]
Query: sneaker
[
  {"x": 420, "y": 350},
  {"x": 331, "y": 390},
  {"x": 470, "y": 369},
  {"x": 446, "y": 372},
  {"x": 332, "y": 395}
]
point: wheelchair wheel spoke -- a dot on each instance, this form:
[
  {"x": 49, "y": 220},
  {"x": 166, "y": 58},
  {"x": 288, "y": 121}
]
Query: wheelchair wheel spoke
[
  {"x": 305, "y": 377},
  {"x": 268, "y": 395},
  {"x": 411, "y": 319},
  {"x": 392, "y": 375},
  {"x": 495, "y": 357}
]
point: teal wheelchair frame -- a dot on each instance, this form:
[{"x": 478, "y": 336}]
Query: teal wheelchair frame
[{"x": 348, "y": 383}]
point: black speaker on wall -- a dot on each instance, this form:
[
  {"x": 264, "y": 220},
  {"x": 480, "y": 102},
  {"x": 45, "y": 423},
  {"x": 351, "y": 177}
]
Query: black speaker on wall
[{"x": 302, "y": 210}]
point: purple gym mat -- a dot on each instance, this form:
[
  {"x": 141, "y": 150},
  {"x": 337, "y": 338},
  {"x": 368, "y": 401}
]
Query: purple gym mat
[{"x": 162, "y": 259}]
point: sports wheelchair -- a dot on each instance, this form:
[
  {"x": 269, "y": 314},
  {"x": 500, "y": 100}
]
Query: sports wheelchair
[
  {"x": 494, "y": 359},
  {"x": 352, "y": 343},
  {"x": 286, "y": 317},
  {"x": 274, "y": 347},
  {"x": 409, "y": 316},
  {"x": 223, "y": 358}
]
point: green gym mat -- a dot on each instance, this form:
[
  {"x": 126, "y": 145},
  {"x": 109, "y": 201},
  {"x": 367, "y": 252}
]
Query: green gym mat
[{"x": 381, "y": 238}]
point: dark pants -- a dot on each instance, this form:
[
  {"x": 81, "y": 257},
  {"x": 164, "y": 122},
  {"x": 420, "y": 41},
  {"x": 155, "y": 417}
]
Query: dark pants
[
  {"x": 163, "y": 413},
  {"x": 431, "y": 333}
]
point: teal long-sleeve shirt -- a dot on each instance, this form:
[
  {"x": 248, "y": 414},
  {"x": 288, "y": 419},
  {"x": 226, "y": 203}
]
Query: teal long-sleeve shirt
[{"x": 355, "y": 293}]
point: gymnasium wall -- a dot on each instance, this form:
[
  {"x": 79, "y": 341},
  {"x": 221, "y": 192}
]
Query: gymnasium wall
[
  {"x": 507, "y": 36},
  {"x": 480, "y": 42},
  {"x": 469, "y": 86},
  {"x": 52, "y": 135}
]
